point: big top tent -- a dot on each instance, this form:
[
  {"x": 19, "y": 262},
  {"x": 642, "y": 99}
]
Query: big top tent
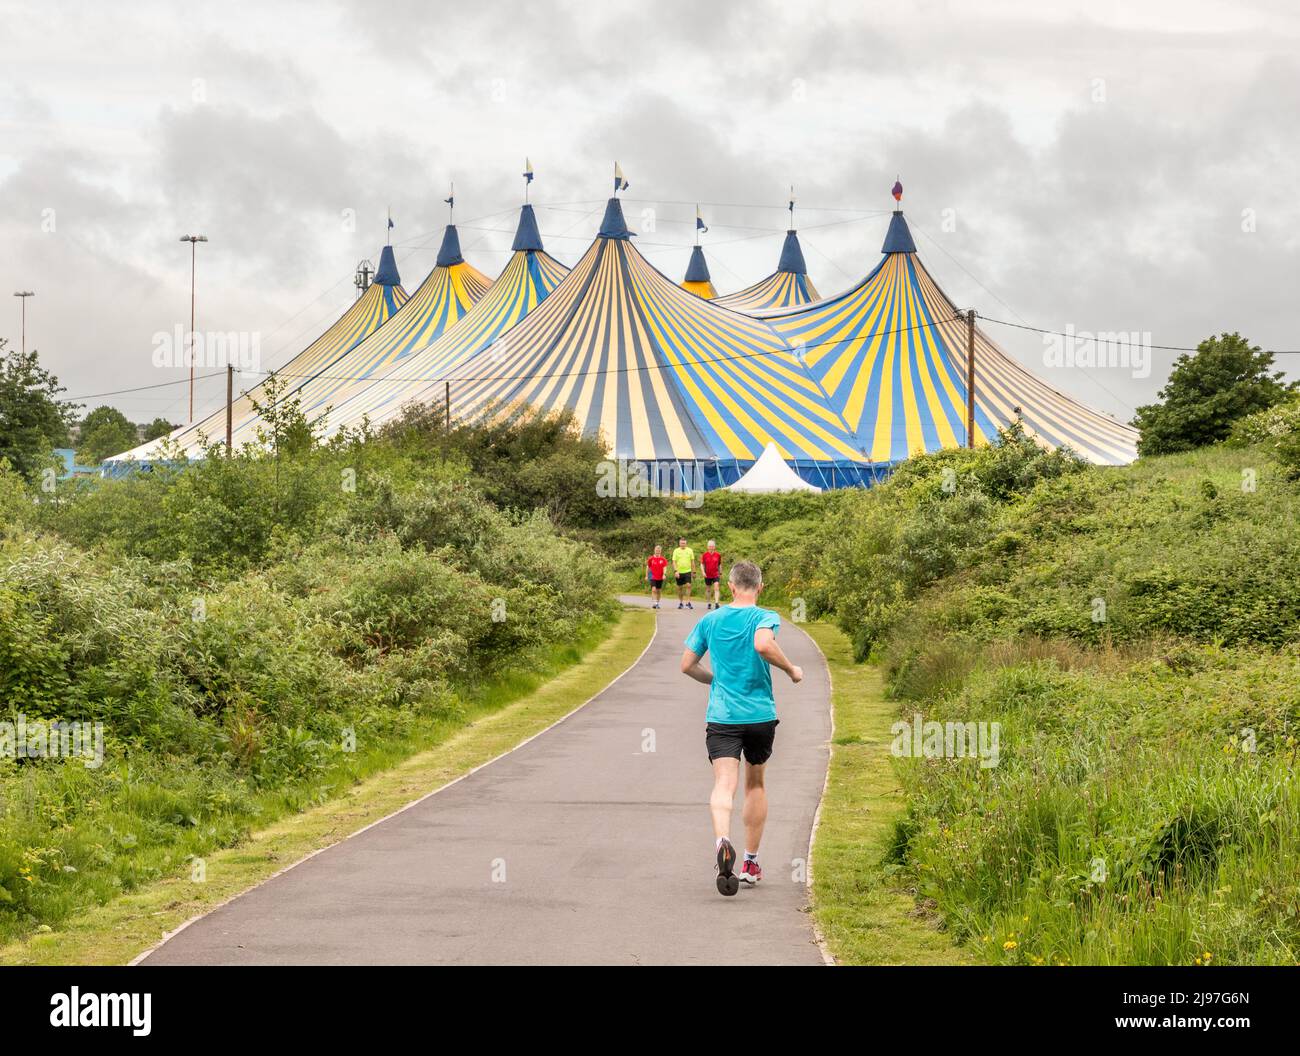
[
  {"x": 691, "y": 391},
  {"x": 890, "y": 355},
  {"x": 787, "y": 287},
  {"x": 527, "y": 279},
  {"x": 381, "y": 300},
  {"x": 447, "y": 293}
]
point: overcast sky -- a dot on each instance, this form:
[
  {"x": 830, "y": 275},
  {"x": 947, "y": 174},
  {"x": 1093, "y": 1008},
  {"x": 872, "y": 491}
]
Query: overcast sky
[{"x": 1101, "y": 165}]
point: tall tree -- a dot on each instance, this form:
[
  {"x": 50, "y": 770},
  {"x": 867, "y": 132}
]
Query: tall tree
[
  {"x": 105, "y": 431},
  {"x": 158, "y": 427},
  {"x": 32, "y": 420},
  {"x": 1226, "y": 379}
]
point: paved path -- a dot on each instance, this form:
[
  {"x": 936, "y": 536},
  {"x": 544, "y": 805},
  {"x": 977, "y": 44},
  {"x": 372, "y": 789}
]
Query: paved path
[{"x": 607, "y": 849}]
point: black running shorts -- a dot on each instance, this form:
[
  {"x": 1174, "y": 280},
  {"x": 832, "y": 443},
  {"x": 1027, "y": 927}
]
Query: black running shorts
[
  {"x": 726, "y": 740},
  {"x": 658, "y": 584},
  {"x": 683, "y": 578},
  {"x": 709, "y": 582}
]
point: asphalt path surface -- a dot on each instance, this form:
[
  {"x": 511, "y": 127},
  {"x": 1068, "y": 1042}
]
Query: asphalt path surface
[{"x": 590, "y": 844}]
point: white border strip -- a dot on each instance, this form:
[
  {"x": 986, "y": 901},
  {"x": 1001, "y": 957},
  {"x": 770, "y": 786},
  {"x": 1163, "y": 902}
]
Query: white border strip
[
  {"x": 820, "y": 939},
  {"x": 400, "y": 810}
]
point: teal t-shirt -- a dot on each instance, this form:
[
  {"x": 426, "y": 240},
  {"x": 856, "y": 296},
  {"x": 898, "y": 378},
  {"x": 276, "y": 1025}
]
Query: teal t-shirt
[{"x": 742, "y": 683}]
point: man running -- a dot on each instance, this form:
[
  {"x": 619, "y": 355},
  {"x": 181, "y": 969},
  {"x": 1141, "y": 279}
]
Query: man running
[
  {"x": 683, "y": 566},
  {"x": 654, "y": 573},
  {"x": 711, "y": 566},
  {"x": 742, "y": 713}
]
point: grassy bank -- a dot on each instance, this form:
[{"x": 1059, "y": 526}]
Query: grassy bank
[
  {"x": 1131, "y": 635},
  {"x": 508, "y": 711},
  {"x": 862, "y": 903},
  {"x": 247, "y": 638}
]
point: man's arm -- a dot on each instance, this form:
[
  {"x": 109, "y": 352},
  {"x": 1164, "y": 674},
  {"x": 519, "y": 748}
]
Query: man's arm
[
  {"x": 691, "y": 666},
  {"x": 766, "y": 647}
]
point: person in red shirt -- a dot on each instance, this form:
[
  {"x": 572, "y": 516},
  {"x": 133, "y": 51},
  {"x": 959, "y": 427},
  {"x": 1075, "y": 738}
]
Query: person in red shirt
[
  {"x": 654, "y": 573},
  {"x": 711, "y": 562}
]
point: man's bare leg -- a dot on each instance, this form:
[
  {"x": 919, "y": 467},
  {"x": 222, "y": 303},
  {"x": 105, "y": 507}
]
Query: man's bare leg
[
  {"x": 726, "y": 773},
  {"x": 755, "y": 809}
]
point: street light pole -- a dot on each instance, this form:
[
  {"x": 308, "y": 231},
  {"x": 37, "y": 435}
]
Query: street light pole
[
  {"x": 24, "y": 294},
  {"x": 193, "y": 240}
]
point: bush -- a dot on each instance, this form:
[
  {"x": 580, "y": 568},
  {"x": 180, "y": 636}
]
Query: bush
[{"x": 227, "y": 621}]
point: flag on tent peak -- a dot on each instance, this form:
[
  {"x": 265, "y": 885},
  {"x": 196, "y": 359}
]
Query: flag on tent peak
[
  {"x": 620, "y": 184},
  {"x": 897, "y": 190}
]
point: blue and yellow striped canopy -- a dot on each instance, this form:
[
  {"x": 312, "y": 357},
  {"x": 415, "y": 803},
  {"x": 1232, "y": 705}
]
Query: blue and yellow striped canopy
[
  {"x": 529, "y": 276},
  {"x": 660, "y": 374},
  {"x": 786, "y": 287},
  {"x": 367, "y": 314},
  {"x": 891, "y": 357},
  {"x": 447, "y": 293}
]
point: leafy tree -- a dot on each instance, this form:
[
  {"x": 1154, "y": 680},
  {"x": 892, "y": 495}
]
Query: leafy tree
[
  {"x": 32, "y": 420},
  {"x": 1227, "y": 379},
  {"x": 158, "y": 427},
  {"x": 105, "y": 431}
]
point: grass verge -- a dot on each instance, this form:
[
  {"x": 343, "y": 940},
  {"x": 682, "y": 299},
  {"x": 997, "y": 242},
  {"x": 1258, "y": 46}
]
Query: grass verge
[
  {"x": 864, "y": 913},
  {"x": 503, "y": 714}
]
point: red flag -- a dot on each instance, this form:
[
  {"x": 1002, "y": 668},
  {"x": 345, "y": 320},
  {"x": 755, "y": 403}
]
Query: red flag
[{"x": 898, "y": 191}]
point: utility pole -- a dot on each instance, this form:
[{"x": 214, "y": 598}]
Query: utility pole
[
  {"x": 193, "y": 240},
  {"x": 446, "y": 432},
  {"x": 970, "y": 377},
  {"x": 230, "y": 409},
  {"x": 24, "y": 294}
]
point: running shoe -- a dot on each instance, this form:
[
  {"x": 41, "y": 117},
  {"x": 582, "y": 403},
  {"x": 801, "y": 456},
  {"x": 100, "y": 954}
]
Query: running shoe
[
  {"x": 727, "y": 882},
  {"x": 690, "y": 606},
  {"x": 750, "y": 873}
]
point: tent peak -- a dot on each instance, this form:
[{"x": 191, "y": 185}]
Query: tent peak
[
  {"x": 792, "y": 255},
  {"x": 527, "y": 236},
  {"x": 614, "y": 226},
  {"x": 698, "y": 269},
  {"x": 898, "y": 239},
  {"x": 449, "y": 254},
  {"x": 386, "y": 274}
]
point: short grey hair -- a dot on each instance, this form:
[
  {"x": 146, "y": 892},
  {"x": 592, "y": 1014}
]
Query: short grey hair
[{"x": 745, "y": 575}]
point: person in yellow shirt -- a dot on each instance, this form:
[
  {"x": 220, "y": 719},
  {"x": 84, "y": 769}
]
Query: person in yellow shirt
[{"x": 683, "y": 566}]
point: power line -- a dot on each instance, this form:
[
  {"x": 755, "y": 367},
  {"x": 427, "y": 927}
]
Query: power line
[{"x": 1162, "y": 348}]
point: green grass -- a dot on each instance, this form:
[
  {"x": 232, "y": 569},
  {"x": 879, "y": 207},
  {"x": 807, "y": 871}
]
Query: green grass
[
  {"x": 504, "y": 713},
  {"x": 1132, "y": 633},
  {"x": 861, "y": 904}
]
